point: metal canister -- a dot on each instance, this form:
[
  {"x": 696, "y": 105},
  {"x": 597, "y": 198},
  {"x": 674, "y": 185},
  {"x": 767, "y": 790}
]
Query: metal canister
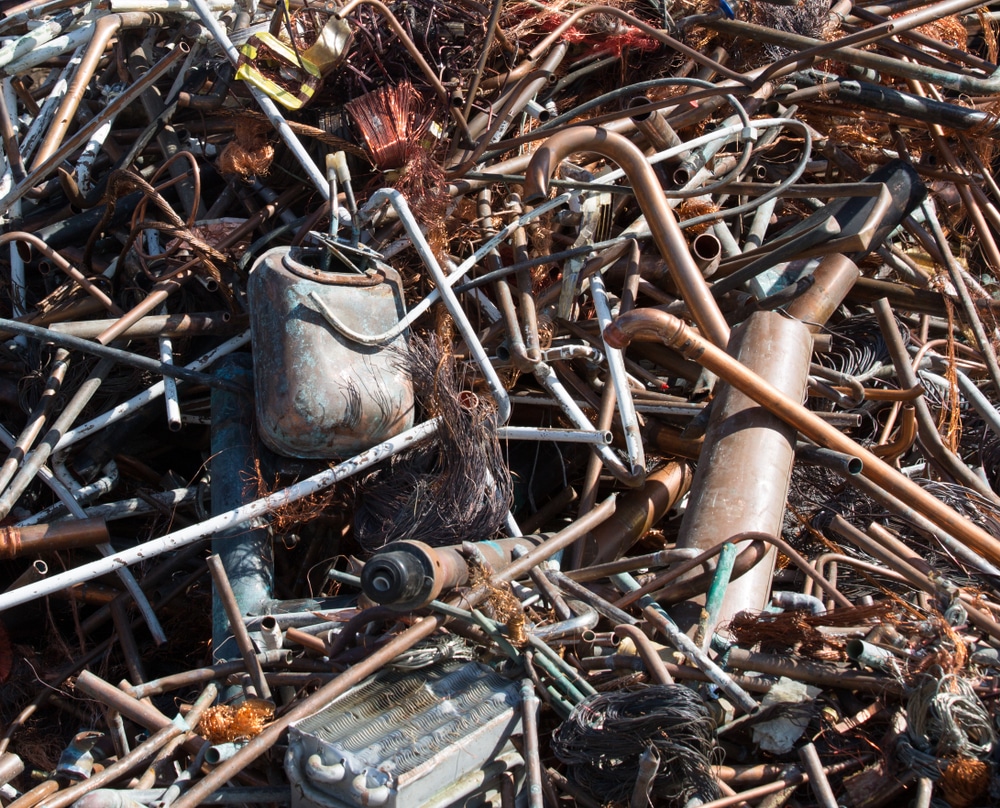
[{"x": 326, "y": 387}]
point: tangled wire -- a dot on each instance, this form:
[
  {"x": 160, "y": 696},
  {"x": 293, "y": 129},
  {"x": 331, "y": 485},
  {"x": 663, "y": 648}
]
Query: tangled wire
[
  {"x": 449, "y": 488},
  {"x": 604, "y": 738}
]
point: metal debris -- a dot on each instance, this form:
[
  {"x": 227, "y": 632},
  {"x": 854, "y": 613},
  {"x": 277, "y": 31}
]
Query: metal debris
[{"x": 432, "y": 403}]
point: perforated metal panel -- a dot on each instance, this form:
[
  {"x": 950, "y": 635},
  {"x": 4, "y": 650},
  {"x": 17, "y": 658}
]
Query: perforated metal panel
[{"x": 406, "y": 739}]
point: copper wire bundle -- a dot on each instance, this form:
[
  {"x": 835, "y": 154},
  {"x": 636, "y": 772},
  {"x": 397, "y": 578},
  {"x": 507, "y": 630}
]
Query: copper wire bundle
[{"x": 392, "y": 120}]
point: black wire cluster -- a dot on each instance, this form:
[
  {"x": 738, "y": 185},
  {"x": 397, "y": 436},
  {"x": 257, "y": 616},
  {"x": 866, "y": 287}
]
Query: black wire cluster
[{"x": 605, "y": 736}]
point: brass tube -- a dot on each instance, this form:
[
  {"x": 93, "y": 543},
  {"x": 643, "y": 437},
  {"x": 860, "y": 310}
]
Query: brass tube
[
  {"x": 668, "y": 236},
  {"x": 649, "y": 324},
  {"x": 56, "y": 536}
]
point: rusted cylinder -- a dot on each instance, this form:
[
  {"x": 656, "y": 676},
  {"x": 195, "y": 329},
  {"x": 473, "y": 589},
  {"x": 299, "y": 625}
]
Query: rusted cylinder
[
  {"x": 406, "y": 575},
  {"x": 832, "y": 280},
  {"x": 746, "y": 462},
  {"x": 638, "y": 511},
  {"x": 56, "y": 536},
  {"x": 659, "y": 326}
]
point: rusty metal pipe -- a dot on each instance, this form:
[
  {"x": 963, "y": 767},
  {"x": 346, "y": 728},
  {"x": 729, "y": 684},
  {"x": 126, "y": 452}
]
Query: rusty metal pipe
[
  {"x": 374, "y": 662},
  {"x": 48, "y": 538},
  {"x": 668, "y": 236},
  {"x": 649, "y": 324}
]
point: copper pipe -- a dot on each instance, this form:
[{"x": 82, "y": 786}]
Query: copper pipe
[
  {"x": 649, "y": 324},
  {"x": 52, "y": 537},
  {"x": 638, "y": 511},
  {"x": 307, "y": 641},
  {"x": 668, "y": 236},
  {"x": 36, "y": 795},
  {"x": 832, "y": 280},
  {"x": 892, "y": 451},
  {"x": 71, "y": 271},
  {"x": 816, "y": 673},
  {"x": 424, "y": 627},
  {"x": 745, "y": 468},
  {"x": 104, "y": 30},
  {"x": 644, "y": 647}
]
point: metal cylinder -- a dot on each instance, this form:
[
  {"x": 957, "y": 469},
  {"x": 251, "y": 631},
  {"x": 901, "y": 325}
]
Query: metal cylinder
[
  {"x": 832, "y": 280},
  {"x": 746, "y": 460},
  {"x": 409, "y": 574},
  {"x": 57, "y": 536},
  {"x": 638, "y": 511}
]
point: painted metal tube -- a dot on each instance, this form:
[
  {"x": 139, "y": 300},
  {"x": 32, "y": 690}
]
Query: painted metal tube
[
  {"x": 742, "y": 480},
  {"x": 796, "y": 600},
  {"x": 596, "y": 437},
  {"x": 658, "y": 326},
  {"x": 267, "y": 106},
  {"x": 709, "y": 617},
  {"x": 660, "y": 218},
  {"x": 871, "y": 656},
  {"x": 150, "y": 394},
  {"x": 619, "y": 380},
  {"x": 224, "y": 521},
  {"x": 448, "y": 296}
]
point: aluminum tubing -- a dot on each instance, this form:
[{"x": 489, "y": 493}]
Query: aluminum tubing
[
  {"x": 743, "y": 476},
  {"x": 658, "y": 326}
]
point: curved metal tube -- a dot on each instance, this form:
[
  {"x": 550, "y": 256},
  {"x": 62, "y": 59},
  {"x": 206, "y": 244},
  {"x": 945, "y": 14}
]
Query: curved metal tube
[
  {"x": 644, "y": 647},
  {"x": 660, "y": 218},
  {"x": 652, "y": 325},
  {"x": 105, "y": 28}
]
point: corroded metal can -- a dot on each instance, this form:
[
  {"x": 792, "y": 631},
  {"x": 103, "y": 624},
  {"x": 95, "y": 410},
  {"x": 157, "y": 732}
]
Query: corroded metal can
[{"x": 325, "y": 386}]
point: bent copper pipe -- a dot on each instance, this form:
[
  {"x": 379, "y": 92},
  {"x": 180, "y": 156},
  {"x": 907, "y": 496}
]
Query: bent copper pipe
[
  {"x": 649, "y": 324},
  {"x": 644, "y": 647},
  {"x": 70, "y": 271},
  {"x": 105, "y": 28},
  {"x": 666, "y": 233},
  {"x": 893, "y": 450}
]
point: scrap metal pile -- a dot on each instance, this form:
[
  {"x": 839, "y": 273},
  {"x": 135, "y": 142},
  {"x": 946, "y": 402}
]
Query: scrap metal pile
[{"x": 438, "y": 403}]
